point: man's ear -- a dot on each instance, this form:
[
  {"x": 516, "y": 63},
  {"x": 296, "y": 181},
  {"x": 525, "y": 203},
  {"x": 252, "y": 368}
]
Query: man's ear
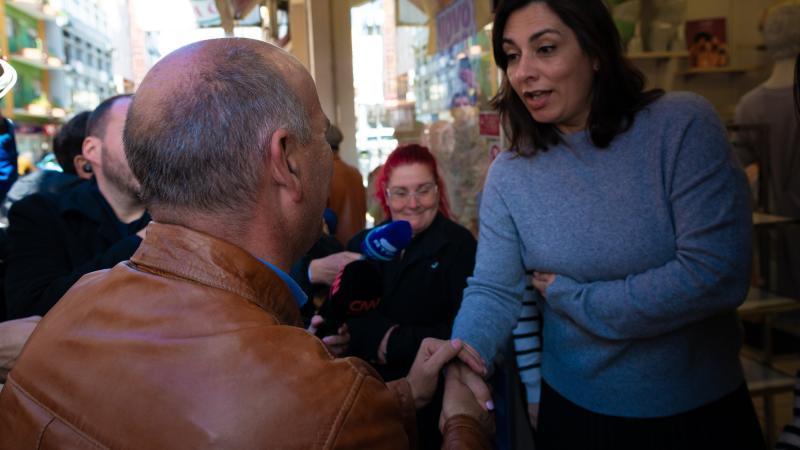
[
  {"x": 283, "y": 163},
  {"x": 81, "y": 164},
  {"x": 91, "y": 149}
]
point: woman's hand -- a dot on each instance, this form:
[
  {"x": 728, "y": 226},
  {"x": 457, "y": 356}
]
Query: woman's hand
[
  {"x": 13, "y": 335},
  {"x": 382, "y": 348},
  {"x": 533, "y": 414},
  {"x": 460, "y": 399},
  {"x": 543, "y": 280}
]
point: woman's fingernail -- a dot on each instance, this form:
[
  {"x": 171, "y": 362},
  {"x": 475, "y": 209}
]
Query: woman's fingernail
[
  {"x": 490, "y": 405},
  {"x": 456, "y": 343}
]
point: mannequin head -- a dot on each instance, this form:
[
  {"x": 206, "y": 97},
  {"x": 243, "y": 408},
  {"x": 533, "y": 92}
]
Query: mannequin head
[{"x": 781, "y": 33}]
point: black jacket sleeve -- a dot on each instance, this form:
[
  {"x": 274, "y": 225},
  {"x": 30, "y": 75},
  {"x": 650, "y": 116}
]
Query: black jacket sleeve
[
  {"x": 405, "y": 340},
  {"x": 39, "y": 269}
]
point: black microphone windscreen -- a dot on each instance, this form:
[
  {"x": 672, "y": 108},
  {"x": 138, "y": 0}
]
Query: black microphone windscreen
[{"x": 356, "y": 291}]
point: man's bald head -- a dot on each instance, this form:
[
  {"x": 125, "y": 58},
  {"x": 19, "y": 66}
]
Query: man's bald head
[{"x": 199, "y": 126}]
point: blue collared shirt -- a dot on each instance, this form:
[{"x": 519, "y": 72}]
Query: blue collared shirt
[{"x": 299, "y": 296}]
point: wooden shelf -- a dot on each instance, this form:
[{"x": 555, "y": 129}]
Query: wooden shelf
[
  {"x": 657, "y": 55},
  {"x": 726, "y": 69}
]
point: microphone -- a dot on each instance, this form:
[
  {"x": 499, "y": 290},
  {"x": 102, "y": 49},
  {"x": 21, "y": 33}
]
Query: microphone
[
  {"x": 383, "y": 243},
  {"x": 358, "y": 287},
  {"x": 356, "y": 290}
]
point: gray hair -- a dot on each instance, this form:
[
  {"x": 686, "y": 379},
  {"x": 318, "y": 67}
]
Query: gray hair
[{"x": 202, "y": 147}]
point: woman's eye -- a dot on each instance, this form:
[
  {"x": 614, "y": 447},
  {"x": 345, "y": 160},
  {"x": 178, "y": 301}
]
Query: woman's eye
[
  {"x": 512, "y": 56},
  {"x": 546, "y": 49}
]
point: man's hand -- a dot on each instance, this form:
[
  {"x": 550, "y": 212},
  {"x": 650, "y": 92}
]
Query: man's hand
[
  {"x": 423, "y": 377},
  {"x": 13, "y": 335},
  {"x": 324, "y": 270},
  {"x": 335, "y": 343},
  {"x": 460, "y": 400}
]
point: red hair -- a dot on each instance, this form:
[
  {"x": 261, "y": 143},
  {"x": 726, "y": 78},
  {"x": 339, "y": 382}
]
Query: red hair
[{"x": 405, "y": 155}]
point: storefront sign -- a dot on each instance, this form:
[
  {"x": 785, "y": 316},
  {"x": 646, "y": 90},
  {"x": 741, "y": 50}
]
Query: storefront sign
[
  {"x": 207, "y": 14},
  {"x": 455, "y": 23},
  {"x": 489, "y": 123}
]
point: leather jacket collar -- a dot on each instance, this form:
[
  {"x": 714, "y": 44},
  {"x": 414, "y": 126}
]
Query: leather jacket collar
[{"x": 173, "y": 250}]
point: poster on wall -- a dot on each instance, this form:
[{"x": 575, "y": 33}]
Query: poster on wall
[
  {"x": 489, "y": 123},
  {"x": 455, "y": 23},
  {"x": 707, "y": 42}
]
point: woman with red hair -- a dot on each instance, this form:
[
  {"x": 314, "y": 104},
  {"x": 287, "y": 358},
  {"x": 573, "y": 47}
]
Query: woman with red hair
[{"x": 422, "y": 287}]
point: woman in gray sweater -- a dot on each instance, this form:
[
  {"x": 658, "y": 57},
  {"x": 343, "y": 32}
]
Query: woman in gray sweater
[{"x": 634, "y": 218}]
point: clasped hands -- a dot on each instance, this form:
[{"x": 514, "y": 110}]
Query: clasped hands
[{"x": 465, "y": 391}]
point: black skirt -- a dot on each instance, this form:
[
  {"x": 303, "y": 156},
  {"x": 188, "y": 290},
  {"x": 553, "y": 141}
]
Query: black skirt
[{"x": 727, "y": 423}]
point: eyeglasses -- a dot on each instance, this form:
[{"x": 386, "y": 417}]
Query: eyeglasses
[{"x": 424, "y": 194}]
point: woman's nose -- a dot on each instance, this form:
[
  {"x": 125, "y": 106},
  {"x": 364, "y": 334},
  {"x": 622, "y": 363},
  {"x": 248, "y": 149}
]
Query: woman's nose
[{"x": 527, "y": 67}]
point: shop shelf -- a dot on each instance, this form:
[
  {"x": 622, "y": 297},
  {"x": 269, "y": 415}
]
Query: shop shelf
[{"x": 657, "y": 55}]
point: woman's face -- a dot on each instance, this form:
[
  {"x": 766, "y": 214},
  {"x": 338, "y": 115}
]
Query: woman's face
[
  {"x": 547, "y": 68},
  {"x": 412, "y": 195}
]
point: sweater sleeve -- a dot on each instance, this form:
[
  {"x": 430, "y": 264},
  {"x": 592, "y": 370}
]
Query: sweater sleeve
[
  {"x": 492, "y": 299},
  {"x": 709, "y": 272},
  {"x": 39, "y": 270}
]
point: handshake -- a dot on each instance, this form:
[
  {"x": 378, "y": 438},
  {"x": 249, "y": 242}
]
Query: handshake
[
  {"x": 465, "y": 392},
  {"x": 467, "y": 400}
]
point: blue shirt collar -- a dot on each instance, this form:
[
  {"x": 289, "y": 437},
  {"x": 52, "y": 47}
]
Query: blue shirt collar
[{"x": 298, "y": 294}]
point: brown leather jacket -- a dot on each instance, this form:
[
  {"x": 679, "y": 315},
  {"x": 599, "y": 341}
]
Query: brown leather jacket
[{"x": 192, "y": 344}]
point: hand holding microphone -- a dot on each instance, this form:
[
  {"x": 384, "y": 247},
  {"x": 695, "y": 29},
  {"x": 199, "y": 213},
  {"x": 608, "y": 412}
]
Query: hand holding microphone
[
  {"x": 357, "y": 289},
  {"x": 324, "y": 270}
]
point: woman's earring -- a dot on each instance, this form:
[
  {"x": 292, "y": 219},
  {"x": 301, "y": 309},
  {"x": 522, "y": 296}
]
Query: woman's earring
[{"x": 87, "y": 167}]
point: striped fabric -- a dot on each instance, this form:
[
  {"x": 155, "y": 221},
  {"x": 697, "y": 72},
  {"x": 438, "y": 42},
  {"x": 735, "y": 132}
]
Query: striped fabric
[
  {"x": 528, "y": 344},
  {"x": 790, "y": 438}
]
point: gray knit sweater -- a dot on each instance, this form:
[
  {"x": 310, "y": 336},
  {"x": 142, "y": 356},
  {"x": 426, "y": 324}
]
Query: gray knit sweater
[{"x": 650, "y": 241}]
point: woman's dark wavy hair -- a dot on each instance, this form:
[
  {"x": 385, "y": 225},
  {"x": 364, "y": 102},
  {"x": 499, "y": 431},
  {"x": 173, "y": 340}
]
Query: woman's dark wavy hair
[{"x": 617, "y": 90}]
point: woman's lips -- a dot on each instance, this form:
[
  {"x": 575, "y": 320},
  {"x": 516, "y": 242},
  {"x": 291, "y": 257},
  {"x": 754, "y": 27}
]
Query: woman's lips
[{"x": 537, "y": 99}]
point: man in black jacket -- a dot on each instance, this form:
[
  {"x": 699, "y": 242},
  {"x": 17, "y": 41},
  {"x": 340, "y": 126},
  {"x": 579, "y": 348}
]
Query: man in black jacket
[{"x": 56, "y": 239}]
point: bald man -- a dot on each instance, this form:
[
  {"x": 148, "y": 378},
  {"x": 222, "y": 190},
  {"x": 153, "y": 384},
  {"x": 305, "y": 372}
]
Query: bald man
[{"x": 193, "y": 343}]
